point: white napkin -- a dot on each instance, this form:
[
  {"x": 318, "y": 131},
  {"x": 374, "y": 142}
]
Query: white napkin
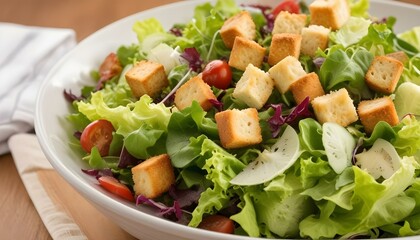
[
  {"x": 64, "y": 212},
  {"x": 27, "y": 53}
]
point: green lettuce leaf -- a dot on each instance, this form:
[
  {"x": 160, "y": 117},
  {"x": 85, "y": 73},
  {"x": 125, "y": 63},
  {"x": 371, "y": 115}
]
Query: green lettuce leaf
[
  {"x": 221, "y": 167},
  {"x": 352, "y": 31},
  {"x": 247, "y": 217},
  {"x": 412, "y": 36},
  {"x": 127, "y": 118},
  {"x": 347, "y": 68},
  {"x": 367, "y": 203}
]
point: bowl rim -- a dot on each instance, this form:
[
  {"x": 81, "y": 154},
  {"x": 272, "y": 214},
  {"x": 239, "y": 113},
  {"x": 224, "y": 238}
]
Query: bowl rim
[{"x": 119, "y": 206}]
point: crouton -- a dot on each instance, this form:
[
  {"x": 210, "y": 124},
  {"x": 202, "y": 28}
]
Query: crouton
[
  {"x": 283, "y": 45},
  {"x": 239, "y": 25},
  {"x": 400, "y": 56},
  {"x": 329, "y": 13},
  {"x": 194, "y": 89},
  {"x": 287, "y": 22},
  {"x": 286, "y": 72},
  {"x": 383, "y": 74},
  {"x": 375, "y": 110},
  {"x": 314, "y": 37},
  {"x": 146, "y": 77},
  {"x": 336, "y": 107},
  {"x": 244, "y": 52},
  {"x": 254, "y": 88},
  {"x": 154, "y": 176},
  {"x": 238, "y": 128},
  {"x": 307, "y": 86}
]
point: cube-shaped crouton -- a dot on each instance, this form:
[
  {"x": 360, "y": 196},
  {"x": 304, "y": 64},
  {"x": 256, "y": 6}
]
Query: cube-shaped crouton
[
  {"x": 239, "y": 25},
  {"x": 194, "y": 89},
  {"x": 314, "y": 37},
  {"x": 286, "y": 72},
  {"x": 238, "y": 128},
  {"x": 283, "y": 45},
  {"x": 146, "y": 77},
  {"x": 154, "y": 176},
  {"x": 329, "y": 13},
  {"x": 287, "y": 22},
  {"x": 375, "y": 110},
  {"x": 307, "y": 86},
  {"x": 335, "y": 107},
  {"x": 400, "y": 56},
  {"x": 254, "y": 88},
  {"x": 383, "y": 74},
  {"x": 244, "y": 52}
]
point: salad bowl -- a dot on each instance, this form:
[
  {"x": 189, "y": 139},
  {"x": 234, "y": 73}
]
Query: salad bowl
[{"x": 73, "y": 72}]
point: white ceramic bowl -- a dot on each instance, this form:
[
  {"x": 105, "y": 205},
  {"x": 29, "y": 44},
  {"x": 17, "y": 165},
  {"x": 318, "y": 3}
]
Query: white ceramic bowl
[{"x": 72, "y": 72}]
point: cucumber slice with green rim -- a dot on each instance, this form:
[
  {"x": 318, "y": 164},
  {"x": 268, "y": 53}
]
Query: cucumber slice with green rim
[
  {"x": 272, "y": 162},
  {"x": 339, "y": 145}
]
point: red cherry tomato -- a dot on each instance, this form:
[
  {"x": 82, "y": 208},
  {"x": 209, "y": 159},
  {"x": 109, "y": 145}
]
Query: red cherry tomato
[
  {"x": 287, "y": 5},
  {"x": 218, "y": 223},
  {"x": 217, "y": 73},
  {"x": 98, "y": 133},
  {"x": 114, "y": 186}
]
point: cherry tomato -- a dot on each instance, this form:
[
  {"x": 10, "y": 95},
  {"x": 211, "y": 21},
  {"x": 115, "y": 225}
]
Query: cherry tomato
[
  {"x": 98, "y": 133},
  {"x": 287, "y": 5},
  {"x": 217, "y": 73},
  {"x": 114, "y": 186},
  {"x": 217, "y": 223}
]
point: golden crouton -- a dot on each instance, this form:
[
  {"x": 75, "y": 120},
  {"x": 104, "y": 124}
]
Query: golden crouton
[
  {"x": 254, "y": 88},
  {"x": 335, "y": 107},
  {"x": 307, "y": 86},
  {"x": 400, "y": 56},
  {"x": 154, "y": 176},
  {"x": 194, "y": 89},
  {"x": 238, "y": 128},
  {"x": 383, "y": 74},
  {"x": 375, "y": 110},
  {"x": 286, "y": 72},
  {"x": 244, "y": 52},
  {"x": 240, "y": 25},
  {"x": 314, "y": 37},
  {"x": 283, "y": 45},
  {"x": 329, "y": 13},
  {"x": 287, "y": 22},
  {"x": 146, "y": 77}
]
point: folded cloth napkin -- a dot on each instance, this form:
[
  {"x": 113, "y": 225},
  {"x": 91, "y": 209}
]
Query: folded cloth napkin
[
  {"x": 27, "y": 54},
  {"x": 64, "y": 212}
]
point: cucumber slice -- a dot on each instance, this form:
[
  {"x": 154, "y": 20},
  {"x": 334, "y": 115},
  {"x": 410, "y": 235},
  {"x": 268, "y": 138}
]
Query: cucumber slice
[
  {"x": 380, "y": 160},
  {"x": 272, "y": 162},
  {"x": 407, "y": 99},
  {"x": 339, "y": 145}
]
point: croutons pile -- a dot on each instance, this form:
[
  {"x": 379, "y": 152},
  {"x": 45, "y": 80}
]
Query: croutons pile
[{"x": 293, "y": 35}]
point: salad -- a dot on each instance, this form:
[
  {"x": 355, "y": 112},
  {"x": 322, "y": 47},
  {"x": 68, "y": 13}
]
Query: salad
[{"x": 297, "y": 175}]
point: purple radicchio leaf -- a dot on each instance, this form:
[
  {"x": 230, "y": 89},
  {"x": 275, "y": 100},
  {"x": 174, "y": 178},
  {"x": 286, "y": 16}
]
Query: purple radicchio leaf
[
  {"x": 194, "y": 60},
  {"x": 70, "y": 97},
  {"x": 185, "y": 197},
  {"x": 217, "y": 104},
  {"x": 126, "y": 159},
  {"x": 268, "y": 15},
  {"x": 318, "y": 62},
  {"x": 164, "y": 210},
  {"x": 298, "y": 112},
  {"x": 97, "y": 173},
  {"x": 77, "y": 134},
  {"x": 356, "y": 150},
  {"x": 176, "y": 31}
]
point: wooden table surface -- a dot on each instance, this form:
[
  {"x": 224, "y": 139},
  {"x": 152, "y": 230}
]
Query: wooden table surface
[{"x": 19, "y": 219}]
